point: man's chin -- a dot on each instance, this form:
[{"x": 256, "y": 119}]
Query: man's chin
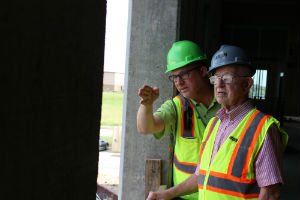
[
  {"x": 221, "y": 100},
  {"x": 186, "y": 95},
  {"x": 183, "y": 93}
]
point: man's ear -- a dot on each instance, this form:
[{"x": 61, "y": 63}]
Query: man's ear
[
  {"x": 203, "y": 71},
  {"x": 249, "y": 83}
]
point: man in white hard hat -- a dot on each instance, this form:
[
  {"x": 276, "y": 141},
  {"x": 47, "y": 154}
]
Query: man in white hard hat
[{"x": 241, "y": 151}]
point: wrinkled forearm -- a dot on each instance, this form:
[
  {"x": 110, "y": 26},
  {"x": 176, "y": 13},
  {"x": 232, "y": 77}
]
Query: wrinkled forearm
[
  {"x": 189, "y": 186},
  {"x": 271, "y": 192}
]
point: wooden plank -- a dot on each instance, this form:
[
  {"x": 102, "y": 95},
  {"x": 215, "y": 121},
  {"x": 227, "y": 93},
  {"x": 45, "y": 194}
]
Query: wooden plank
[
  {"x": 152, "y": 175},
  {"x": 162, "y": 188}
]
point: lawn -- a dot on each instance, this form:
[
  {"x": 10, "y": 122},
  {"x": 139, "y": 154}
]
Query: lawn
[{"x": 112, "y": 109}]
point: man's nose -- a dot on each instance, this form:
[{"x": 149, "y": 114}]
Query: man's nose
[{"x": 219, "y": 82}]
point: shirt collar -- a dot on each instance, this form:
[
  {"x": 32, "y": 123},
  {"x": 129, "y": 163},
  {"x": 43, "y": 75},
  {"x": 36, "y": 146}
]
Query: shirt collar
[
  {"x": 214, "y": 101},
  {"x": 241, "y": 110}
]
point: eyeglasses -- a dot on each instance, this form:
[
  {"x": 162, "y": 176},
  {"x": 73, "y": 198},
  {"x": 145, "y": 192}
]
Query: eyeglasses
[
  {"x": 183, "y": 75},
  {"x": 226, "y": 78}
]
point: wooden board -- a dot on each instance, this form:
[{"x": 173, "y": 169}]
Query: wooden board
[{"x": 152, "y": 175}]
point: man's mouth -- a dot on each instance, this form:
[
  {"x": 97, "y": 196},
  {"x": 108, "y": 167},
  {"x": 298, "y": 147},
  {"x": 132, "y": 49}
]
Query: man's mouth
[
  {"x": 221, "y": 92},
  {"x": 183, "y": 89}
]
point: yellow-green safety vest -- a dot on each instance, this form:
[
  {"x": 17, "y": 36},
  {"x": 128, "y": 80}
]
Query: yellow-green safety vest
[
  {"x": 231, "y": 174},
  {"x": 189, "y": 133}
]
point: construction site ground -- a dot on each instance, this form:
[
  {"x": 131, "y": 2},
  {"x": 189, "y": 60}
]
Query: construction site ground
[{"x": 108, "y": 170}]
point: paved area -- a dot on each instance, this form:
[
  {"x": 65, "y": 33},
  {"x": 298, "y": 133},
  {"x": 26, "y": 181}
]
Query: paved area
[{"x": 108, "y": 170}]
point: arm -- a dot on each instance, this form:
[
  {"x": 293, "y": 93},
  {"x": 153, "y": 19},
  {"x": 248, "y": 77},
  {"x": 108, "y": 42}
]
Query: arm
[
  {"x": 189, "y": 186},
  {"x": 271, "y": 192},
  {"x": 147, "y": 122},
  {"x": 269, "y": 164}
]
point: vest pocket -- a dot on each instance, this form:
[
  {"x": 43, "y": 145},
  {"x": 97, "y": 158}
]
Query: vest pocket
[{"x": 188, "y": 150}]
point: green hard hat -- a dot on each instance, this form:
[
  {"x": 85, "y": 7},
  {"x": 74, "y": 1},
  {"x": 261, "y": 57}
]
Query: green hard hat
[{"x": 182, "y": 53}]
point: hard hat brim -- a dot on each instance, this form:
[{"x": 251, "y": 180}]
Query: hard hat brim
[{"x": 184, "y": 63}]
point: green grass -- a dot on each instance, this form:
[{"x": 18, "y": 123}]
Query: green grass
[{"x": 112, "y": 109}]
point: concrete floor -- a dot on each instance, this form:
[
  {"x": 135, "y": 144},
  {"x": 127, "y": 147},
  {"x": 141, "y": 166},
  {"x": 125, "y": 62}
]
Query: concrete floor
[
  {"x": 291, "y": 162},
  {"x": 291, "y": 174},
  {"x": 108, "y": 170}
]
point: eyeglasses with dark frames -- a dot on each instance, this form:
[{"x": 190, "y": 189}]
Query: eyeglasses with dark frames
[{"x": 183, "y": 75}]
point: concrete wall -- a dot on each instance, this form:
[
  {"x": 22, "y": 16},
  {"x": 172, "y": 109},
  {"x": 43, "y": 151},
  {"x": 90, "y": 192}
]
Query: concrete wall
[
  {"x": 152, "y": 30},
  {"x": 272, "y": 41},
  {"x": 52, "y": 76},
  {"x": 212, "y": 23}
]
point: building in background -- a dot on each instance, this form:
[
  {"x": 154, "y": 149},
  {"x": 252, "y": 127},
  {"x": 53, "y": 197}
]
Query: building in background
[{"x": 113, "y": 81}]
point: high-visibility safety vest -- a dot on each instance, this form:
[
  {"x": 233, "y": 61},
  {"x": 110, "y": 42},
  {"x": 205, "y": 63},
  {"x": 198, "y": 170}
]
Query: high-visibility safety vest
[
  {"x": 231, "y": 174},
  {"x": 188, "y": 136}
]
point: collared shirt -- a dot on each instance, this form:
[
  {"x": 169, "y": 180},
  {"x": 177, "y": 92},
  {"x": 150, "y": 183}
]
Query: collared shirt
[
  {"x": 167, "y": 113},
  {"x": 269, "y": 159}
]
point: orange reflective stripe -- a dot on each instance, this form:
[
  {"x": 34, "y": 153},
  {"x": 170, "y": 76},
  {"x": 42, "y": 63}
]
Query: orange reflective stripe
[
  {"x": 237, "y": 146},
  {"x": 180, "y": 169},
  {"x": 185, "y": 131},
  {"x": 240, "y": 159},
  {"x": 185, "y": 167},
  {"x": 233, "y": 178},
  {"x": 236, "y": 194},
  {"x": 234, "y": 182},
  {"x": 182, "y": 116},
  {"x": 200, "y": 186},
  {"x": 252, "y": 145},
  {"x": 185, "y": 163},
  {"x": 201, "y": 171},
  {"x": 232, "y": 186},
  {"x": 193, "y": 127},
  {"x": 211, "y": 129}
]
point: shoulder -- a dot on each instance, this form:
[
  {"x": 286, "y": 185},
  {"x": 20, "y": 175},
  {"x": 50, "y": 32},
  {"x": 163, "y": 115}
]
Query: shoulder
[
  {"x": 167, "y": 104},
  {"x": 274, "y": 135},
  {"x": 166, "y": 108}
]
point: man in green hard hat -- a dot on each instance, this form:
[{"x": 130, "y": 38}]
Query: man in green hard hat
[{"x": 186, "y": 115}]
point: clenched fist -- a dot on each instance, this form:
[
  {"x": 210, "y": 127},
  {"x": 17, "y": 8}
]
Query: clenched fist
[{"x": 148, "y": 95}]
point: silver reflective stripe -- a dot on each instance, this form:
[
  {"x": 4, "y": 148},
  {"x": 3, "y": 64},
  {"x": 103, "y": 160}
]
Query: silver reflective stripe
[
  {"x": 210, "y": 131},
  {"x": 201, "y": 179},
  {"x": 229, "y": 185},
  {"x": 239, "y": 161},
  {"x": 190, "y": 169}
]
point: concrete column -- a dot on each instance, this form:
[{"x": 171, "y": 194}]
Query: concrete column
[{"x": 152, "y": 30}]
